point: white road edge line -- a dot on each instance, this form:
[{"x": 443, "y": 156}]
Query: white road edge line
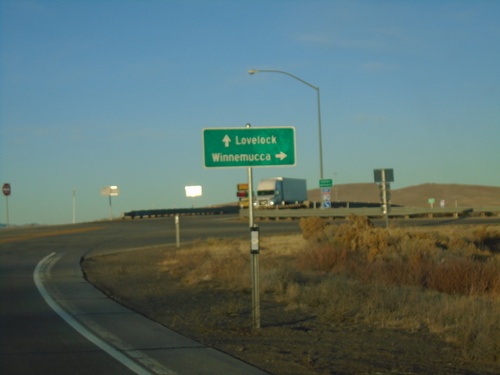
[{"x": 113, "y": 352}]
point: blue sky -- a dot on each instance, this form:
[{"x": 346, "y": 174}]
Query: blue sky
[{"x": 99, "y": 93}]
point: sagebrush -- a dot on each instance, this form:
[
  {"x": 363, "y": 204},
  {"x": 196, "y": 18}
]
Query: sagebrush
[{"x": 445, "y": 280}]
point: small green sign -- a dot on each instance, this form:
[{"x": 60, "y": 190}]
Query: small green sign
[
  {"x": 249, "y": 147},
  {"x": 325, "y": 183}
]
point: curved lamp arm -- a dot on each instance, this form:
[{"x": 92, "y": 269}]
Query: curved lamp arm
[{"x": 253, "y": 71}]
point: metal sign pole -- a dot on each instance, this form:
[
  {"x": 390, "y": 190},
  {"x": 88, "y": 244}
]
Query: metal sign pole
[
  {"x": 384, "y": 177},
  {"x": 7, "y": 208},
  {"x": 74, "y": 205},
  {"x": 110, "y": 208},
  {"x": 254, "y": 253},
  {"x": 384, "y": 199},
  {"x": 177, "y": 232},
  {"x": 6, "y": 190},
  {"x": 110, "y": 191}
]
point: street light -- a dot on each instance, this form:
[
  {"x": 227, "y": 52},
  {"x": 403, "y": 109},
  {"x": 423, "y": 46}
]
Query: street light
[{"x": 253, "y": 71}]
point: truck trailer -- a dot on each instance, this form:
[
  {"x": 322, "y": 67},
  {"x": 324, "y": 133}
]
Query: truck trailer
[{"x": 280, "y": 191}]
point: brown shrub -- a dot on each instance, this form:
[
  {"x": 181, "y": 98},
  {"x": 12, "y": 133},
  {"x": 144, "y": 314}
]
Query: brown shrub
[
  {"x": 374, "y": 241},
  {"x": 464, "y": 276},
  {"x": 349, "y": 233},
  {"x": 312, "y": 227},
  {"x": 320, "y": 258},
  {"x": 450, "y": 264},
  {"x": 486, "y": 240},
  {"x": 222, "y": 270},
  {"x": 359, "y": 222}
]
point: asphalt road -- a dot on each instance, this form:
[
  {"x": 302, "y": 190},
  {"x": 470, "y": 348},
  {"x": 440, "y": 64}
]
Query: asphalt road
[{"x": 53, "y": 322}]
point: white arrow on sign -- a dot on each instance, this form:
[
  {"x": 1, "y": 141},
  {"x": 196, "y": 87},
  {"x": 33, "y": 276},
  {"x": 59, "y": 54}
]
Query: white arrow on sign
[
  {"x": 281, "y": 155},
  {"x": 226, "y": 140}
]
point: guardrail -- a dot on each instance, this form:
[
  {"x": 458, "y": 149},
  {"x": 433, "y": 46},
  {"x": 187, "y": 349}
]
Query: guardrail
[
  {"x": 221, "y": 210},
  {"x": 374, "y": 212},
  {"x": 339, "y": 212}
]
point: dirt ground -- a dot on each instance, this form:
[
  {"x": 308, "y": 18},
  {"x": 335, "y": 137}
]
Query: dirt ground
[{"x": 290, "y": 341}]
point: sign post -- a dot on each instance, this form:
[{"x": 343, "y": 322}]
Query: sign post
[
  {"x": 177, "y": 231},
  {"x": 254, "y": 253},
  {"x": 250, "y": 147},
  {"x": 431, "y": 201},
  {"x": 326, "y": 187},
  {"x": 384, "y": 177},
  {"x": 74, "y": 205},
  {"x": 110, "y": 191},
  {"x": 6, "y": 190}
]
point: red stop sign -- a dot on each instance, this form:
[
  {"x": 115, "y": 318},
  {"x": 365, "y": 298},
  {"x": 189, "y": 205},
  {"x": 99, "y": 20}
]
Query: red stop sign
[{"x": 6, "y": 189}]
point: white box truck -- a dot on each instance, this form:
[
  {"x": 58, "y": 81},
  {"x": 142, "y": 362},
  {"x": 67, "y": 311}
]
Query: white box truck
[{"x": 276, "y": 191}]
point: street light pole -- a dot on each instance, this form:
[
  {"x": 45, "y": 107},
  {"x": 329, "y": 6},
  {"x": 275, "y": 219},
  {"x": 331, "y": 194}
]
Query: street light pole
[
  {"x": 74, "y": 205},
  {"x": 253, "y": 71}
]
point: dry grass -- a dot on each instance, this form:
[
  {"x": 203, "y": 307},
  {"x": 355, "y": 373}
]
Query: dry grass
[{"x": 444, "y": 281}]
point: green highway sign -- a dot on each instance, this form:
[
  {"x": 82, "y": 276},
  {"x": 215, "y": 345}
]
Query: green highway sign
[
  {"x": 249, "y": 147},
  {"x": 326, "y": 183}
]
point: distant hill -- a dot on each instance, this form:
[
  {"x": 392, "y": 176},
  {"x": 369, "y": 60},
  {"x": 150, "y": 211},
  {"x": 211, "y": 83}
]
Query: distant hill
[{"x": 416, "y": 196}]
